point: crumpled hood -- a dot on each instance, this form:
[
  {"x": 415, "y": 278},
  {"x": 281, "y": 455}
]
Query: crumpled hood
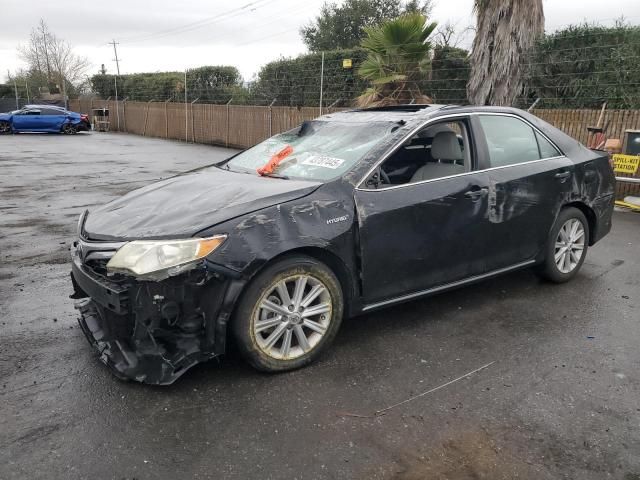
[{"x": 186, "y": 204}]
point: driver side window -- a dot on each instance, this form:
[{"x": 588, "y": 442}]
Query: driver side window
[{"x": 437, "y": 151}]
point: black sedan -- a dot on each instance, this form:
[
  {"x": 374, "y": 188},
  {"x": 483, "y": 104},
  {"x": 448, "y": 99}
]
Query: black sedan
[{"x": 348, "y": 213}]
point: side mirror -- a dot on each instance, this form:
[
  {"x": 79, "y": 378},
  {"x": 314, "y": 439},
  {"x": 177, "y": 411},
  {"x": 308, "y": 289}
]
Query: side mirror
[{"x": 374, "y": 180}]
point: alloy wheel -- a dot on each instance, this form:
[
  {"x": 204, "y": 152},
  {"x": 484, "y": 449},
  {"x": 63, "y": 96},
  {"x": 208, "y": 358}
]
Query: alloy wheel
[
  {"x": 569, "y": 246},
  {"x": 292, "y": 317},
  {"x": 5, "y": 127},
  {"x": 69, "y": 129}
]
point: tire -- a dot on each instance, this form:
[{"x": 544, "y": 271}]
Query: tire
[
  {"x": 5, "y": 127},
  {"x": 559, "y": 267},
  {"x": 69, "y": 129},
  {"x": 263, "y": 331}
]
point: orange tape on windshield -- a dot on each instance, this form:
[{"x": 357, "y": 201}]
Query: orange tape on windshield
[{"x": 275, "y": 160}]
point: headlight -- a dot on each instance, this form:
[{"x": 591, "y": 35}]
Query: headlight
[{"x": 167, "y": 257}]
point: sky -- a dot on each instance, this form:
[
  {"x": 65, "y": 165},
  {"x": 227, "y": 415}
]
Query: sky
[{"x": 165, "y": 35}]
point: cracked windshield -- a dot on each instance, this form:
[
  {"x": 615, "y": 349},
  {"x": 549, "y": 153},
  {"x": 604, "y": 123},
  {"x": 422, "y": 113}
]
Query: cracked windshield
[{"x": 315, "y": 151}]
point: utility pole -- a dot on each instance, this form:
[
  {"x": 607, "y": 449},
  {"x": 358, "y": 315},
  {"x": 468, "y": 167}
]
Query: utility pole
[
  {"x": 64, "y": 92},
  {"x": 115, "y": 83},
  {"x": 321, "y": 82},
  {"x": 115, "y": 80},
  {"x": 115, "y": 51},
  {"x": 16, "y": 89},
  {"x": 186, "y": 110},
  {"x": 26, "y": 85}
]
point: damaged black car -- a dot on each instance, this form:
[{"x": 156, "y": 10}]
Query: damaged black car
[{"x": 348, "y": 213}]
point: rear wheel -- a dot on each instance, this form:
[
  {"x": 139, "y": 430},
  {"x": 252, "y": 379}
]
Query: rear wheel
[
  {"x": 289, "y": 313},
  {"x": 566, "y": 247},
  {"x": 5, "y": 127},
  {"x": 69, "y": 129}
]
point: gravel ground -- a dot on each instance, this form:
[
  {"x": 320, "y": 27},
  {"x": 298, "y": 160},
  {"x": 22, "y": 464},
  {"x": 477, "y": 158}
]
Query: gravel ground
[{"x": 560, "y": 400}]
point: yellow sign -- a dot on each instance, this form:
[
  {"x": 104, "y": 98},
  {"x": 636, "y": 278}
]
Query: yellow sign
[
  {"x": 346, "y": 63},
  {"x": 626, "y": 163}
]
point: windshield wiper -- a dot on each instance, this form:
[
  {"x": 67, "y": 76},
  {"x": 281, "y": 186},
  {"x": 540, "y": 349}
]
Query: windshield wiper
[
  {"x": 234, "y": 170},
  {"x": 274, "y": 175}
]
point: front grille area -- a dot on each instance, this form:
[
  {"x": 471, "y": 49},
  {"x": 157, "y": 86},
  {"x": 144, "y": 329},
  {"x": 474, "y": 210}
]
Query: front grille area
[
  {"x": 98, "y": 266},
  {"x": 94, "y": 256}
]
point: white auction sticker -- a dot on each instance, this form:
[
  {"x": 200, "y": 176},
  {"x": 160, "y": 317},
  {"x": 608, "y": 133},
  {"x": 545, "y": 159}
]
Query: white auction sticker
[{"x": 321, "y": 161}]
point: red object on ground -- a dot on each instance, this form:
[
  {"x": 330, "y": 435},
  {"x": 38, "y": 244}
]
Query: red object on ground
[{"x": 275, "y": 160}]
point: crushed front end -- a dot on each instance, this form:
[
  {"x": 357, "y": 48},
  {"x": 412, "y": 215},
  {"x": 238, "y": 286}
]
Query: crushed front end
[{"x": 145, "y": 330}]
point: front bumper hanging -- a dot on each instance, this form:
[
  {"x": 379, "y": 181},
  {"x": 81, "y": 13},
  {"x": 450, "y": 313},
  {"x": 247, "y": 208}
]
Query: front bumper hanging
[{"x": 152, "y": 332}]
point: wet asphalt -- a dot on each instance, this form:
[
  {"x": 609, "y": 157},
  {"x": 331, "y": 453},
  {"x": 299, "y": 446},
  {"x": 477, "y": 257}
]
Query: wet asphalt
[{"x": 560, "y": 400}]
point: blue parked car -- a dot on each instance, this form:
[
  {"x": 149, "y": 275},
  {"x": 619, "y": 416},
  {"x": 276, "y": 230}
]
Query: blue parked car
[{"x": 43, "y": 118}]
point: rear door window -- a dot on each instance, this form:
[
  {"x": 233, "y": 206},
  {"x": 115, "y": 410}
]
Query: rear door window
[
  {"x": 547, "y": 150},
  {"x": 51, "y": 111},
  {"x": 510, "y": 140}
]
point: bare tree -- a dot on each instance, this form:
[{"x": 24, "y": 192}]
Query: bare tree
[
  {"x": 505, "y": 31},
  {"x": 52, "y": 58},
  {"x": 449, "y": 35}
]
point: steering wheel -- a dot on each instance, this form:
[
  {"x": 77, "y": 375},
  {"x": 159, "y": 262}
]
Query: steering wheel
[{"x": 384, "y": 176}]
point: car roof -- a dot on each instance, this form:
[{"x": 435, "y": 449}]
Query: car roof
[
  {"x": 391, "y": 113},
  {"x": 412, "y": 113},
  {"x": 412, "y": 116},
  {"x": 56, "y": 107}
]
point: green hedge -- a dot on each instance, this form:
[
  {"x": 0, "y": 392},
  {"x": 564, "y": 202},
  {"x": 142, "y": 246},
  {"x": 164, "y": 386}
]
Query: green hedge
[
  {"x": 296, "y": 81},
  {"x": 584, "y": 66},
  {"x": 210, "y": 84},
  {"x": 449, "y": 76}
]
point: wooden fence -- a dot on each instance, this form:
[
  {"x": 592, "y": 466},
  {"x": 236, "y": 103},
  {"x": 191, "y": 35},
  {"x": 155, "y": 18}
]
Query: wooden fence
[
  {"x": 244, "y": 126},
  {"x": 575, "y": 122},
  {"x": 237, "y": 126}
]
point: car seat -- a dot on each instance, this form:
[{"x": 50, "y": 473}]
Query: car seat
[{"x": 446, "y": 152}]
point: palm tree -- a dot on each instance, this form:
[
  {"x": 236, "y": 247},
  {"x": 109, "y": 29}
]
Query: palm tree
[
  {"x": 505, "y": 31},
  {"x": 397, "y": 57}
]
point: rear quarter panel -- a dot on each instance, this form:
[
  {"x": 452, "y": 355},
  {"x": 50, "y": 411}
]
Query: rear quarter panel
[
  {"x": 594, "y": 185},
  {"x": 593, "y": 180}
]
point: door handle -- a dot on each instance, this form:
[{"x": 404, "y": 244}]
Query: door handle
[
  {"x": 476, "y": 193},
  {"x": 562, "y": 175}
]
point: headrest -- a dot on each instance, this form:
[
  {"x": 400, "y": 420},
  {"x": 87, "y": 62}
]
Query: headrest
[
  {"x": 445, "y": 146},
  {"x": 430, "y": 132}
]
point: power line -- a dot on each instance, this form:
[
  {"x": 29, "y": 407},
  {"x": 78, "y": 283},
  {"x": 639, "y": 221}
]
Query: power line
[{"x": 200, "y": 23}]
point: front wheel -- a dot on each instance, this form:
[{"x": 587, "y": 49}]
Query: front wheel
[
  {"x": 289, "y": 313},
  {"x": 566, "y": 247},
  {"x": 5, "y": 127}
]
